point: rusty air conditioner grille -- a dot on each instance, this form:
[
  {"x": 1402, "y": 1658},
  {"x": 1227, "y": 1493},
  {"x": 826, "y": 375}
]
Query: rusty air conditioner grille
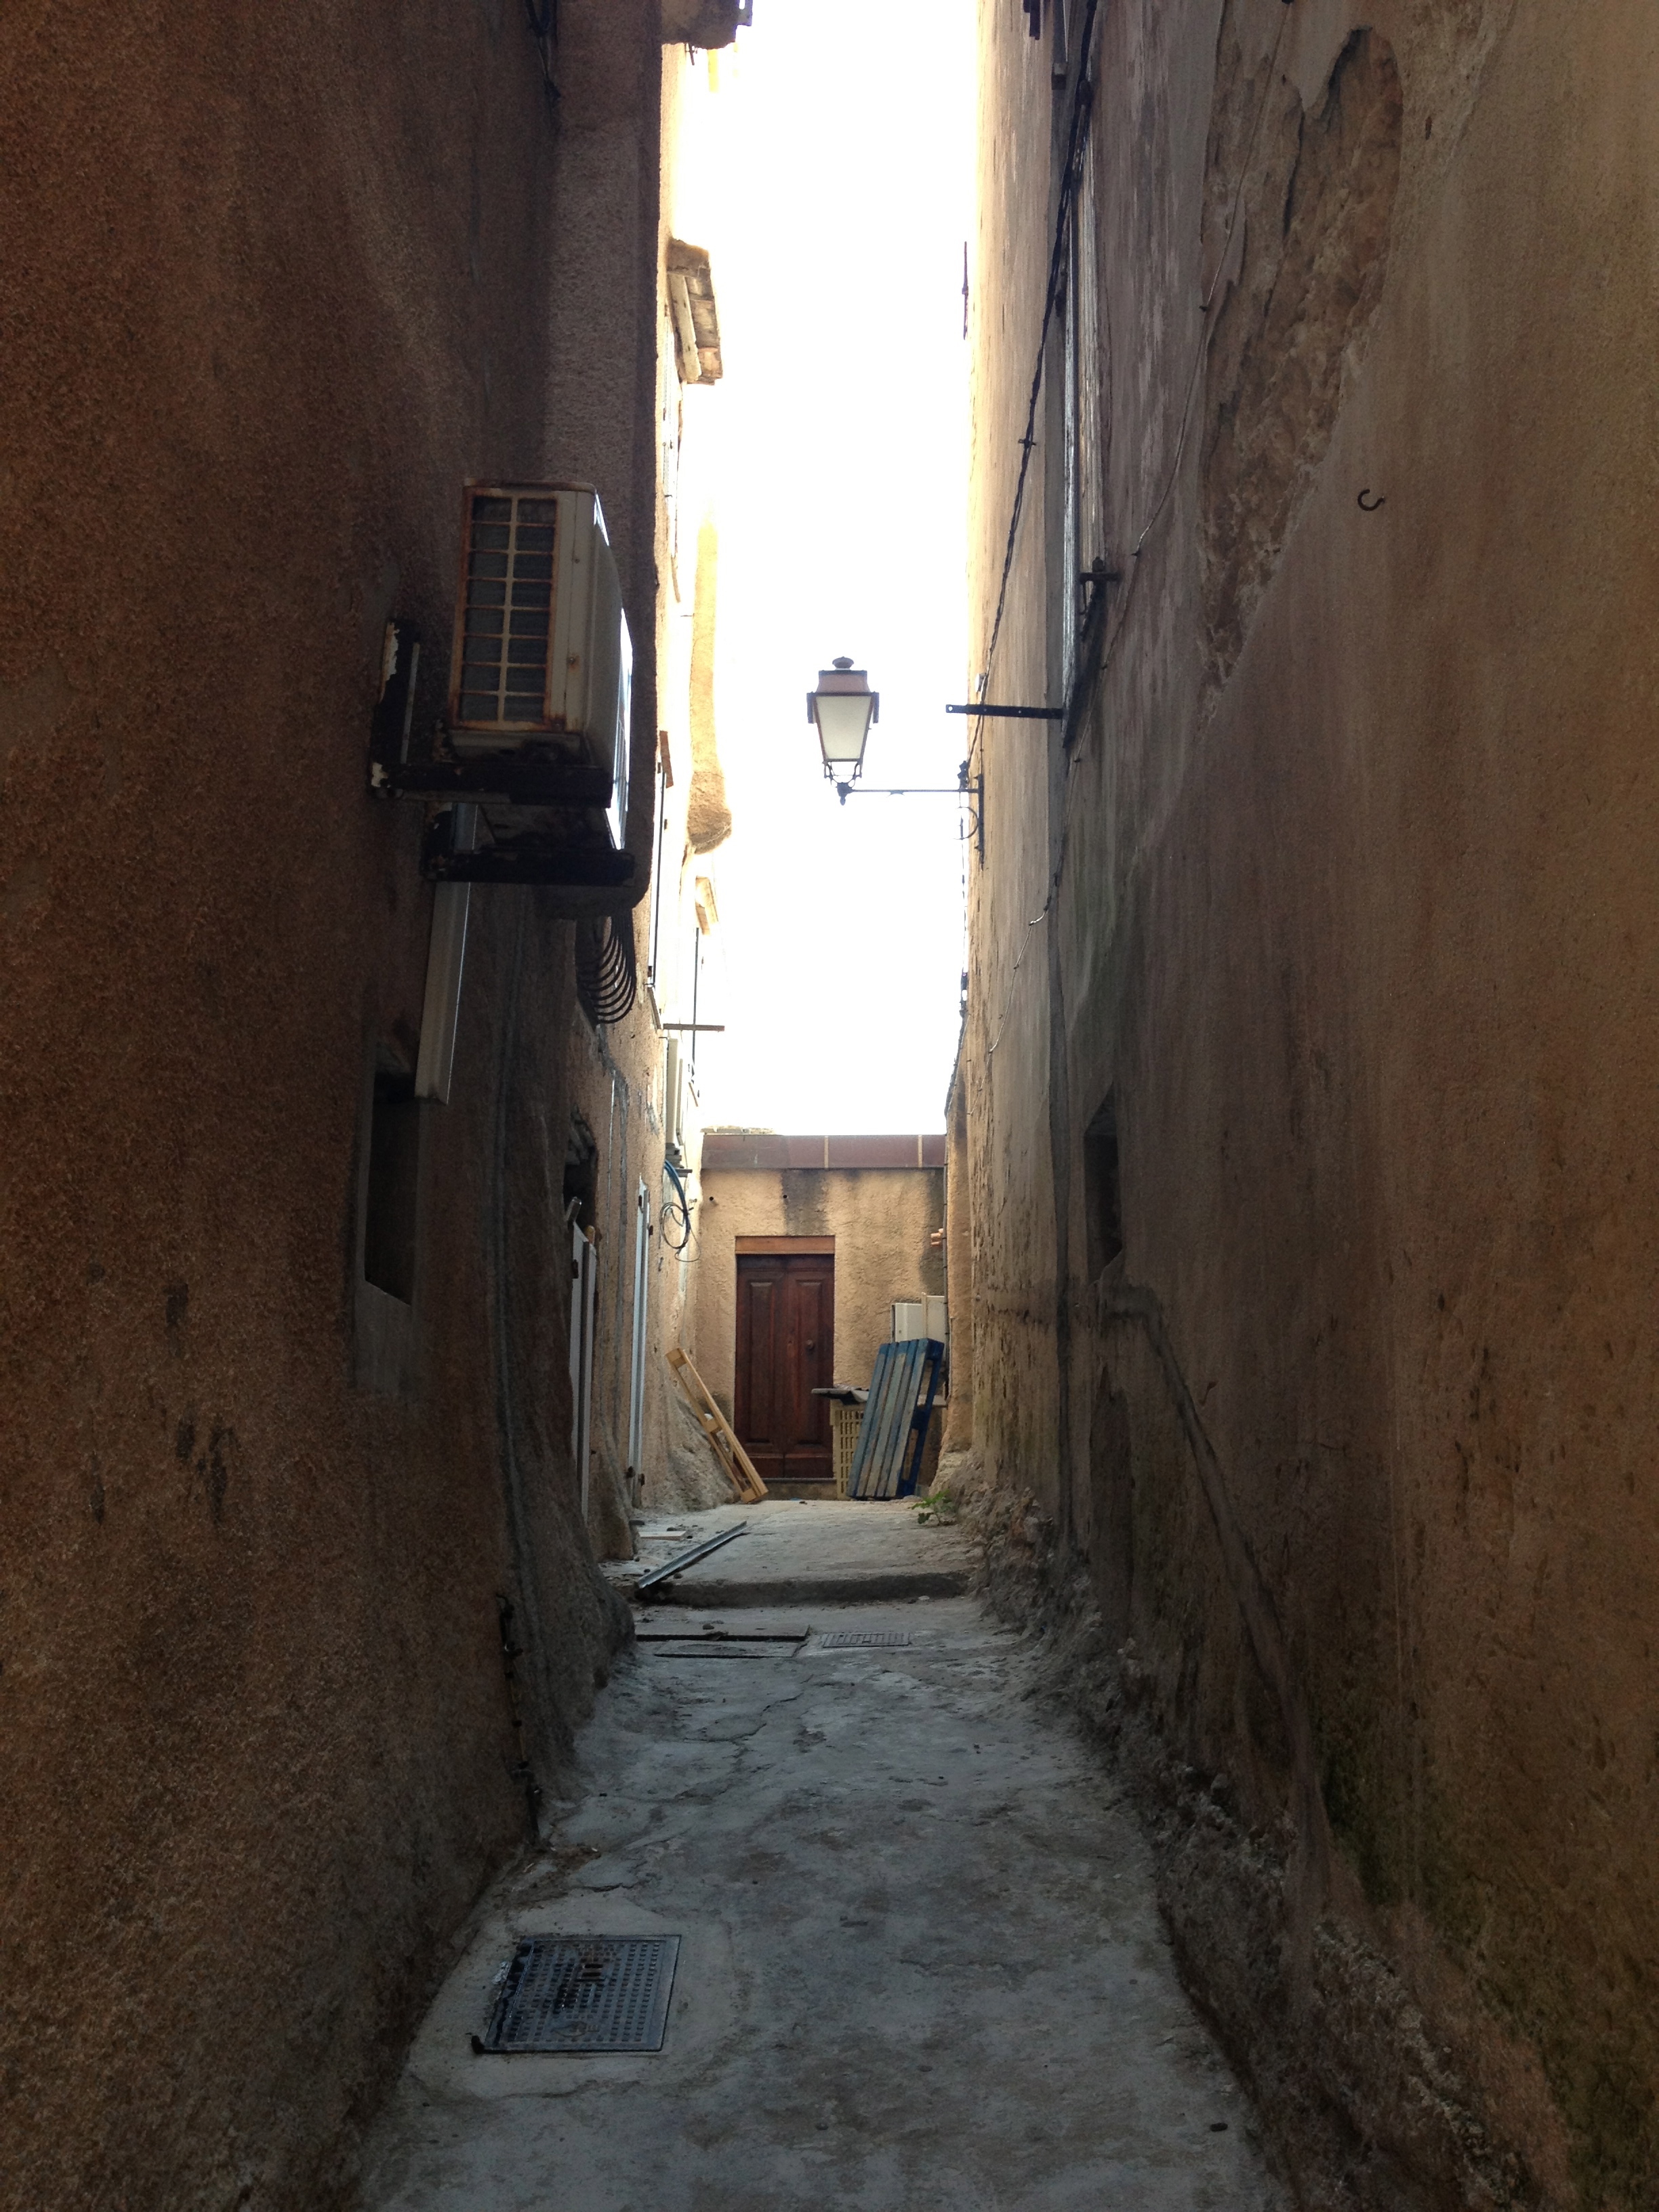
[
  {"x": 507, "y": 588},
  {"x": 584, "y": 1993},
  {"x": 863, "y": 1639}
]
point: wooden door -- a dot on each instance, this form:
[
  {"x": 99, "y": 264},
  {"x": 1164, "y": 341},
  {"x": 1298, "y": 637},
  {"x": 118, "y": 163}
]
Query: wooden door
[{"x": 786, "y": 1347}]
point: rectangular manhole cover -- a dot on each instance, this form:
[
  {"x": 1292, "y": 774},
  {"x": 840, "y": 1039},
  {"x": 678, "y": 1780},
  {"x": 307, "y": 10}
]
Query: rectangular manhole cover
[
  {"x": 584, "y": 1993},
  {"x": 864, "y": 1639}
]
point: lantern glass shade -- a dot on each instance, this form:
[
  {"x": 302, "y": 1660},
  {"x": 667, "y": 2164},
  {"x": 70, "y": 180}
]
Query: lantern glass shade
[{"x": 841, "y": 709}]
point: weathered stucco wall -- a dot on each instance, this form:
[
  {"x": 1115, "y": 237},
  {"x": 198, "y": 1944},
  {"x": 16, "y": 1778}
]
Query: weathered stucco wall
[
  {"x": 881, "y": 1219},
  {"x": 276, "y": 283},
  {"x": 1354, "y": 930},
  {"x": 959, "y": 1426}
]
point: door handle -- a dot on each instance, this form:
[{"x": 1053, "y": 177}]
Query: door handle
[{"x": 810, "y": 1346}]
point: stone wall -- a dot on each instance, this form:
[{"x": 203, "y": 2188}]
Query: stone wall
[
  {"x": 277, "y": 282},
  {"x": 1316, "y": 975},
  {"x": 881, "y": 1219}
]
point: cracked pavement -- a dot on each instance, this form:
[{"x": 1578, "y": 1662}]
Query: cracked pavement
[{"x": 921, "y": 1963}]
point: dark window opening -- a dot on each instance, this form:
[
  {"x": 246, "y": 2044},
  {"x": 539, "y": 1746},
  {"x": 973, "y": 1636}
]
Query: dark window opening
[
  {"x": 394, "y": 1163},
  {"x": 1103, "y": 1193}
]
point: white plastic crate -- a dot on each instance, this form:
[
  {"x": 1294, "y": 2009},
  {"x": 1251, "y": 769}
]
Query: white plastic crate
[{"x": 844, "y": 1424}]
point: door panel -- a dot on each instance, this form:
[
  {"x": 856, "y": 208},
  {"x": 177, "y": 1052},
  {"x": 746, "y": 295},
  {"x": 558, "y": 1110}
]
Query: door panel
[
  {"x": 786, "y": 1346},
  {"x": 757, "y": 1314}
]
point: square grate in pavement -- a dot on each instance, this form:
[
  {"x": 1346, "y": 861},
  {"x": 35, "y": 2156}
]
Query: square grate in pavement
[
  {"x": 584, "y": 1993},
  {"x": 864, "y": 1639}
]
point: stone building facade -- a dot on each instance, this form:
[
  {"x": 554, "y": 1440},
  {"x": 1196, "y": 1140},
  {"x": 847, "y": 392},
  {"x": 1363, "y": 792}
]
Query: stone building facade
[
  {"x": 1305, "y": 1147},
  {"x": 298, "y": 1605},
  {"x": 870, "y": 1211}
]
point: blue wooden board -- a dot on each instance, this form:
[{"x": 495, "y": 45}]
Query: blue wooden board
[{"x": 893, "y": 1434}]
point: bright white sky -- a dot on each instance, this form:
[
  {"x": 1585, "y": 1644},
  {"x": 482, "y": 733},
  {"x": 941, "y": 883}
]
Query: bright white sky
[{"x": 830, "y": 176}]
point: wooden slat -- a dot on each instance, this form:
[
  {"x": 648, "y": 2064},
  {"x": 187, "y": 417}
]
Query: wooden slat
[
  {"x": 886, "y": 1423},
  {"x": 934, "y": 1362},
  {"x": 707, "y": 1415},
  {"x": 894, "y": 1434},
  {"x": 722, "y": 1437},
  {"x": 900, "y": 1404},
  {"x": 898, "y": 1401},
  {"x": 865, "y": 1452}
]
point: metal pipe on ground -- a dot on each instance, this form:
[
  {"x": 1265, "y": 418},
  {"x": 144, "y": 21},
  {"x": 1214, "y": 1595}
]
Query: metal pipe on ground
[{"x": 686, "y": 1559}]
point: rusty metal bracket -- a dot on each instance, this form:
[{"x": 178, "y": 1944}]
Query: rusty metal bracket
[
  {"x": 525, "y": 847},
  {"x": 515, "y": 782},
  {"x": 511, "y": 779},
  {"x": 1011, "y": 713}
]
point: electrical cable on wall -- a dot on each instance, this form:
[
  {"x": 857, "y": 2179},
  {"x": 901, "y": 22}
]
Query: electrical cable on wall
[
  {"x": 1076, "y": 141},
  {"x": 1082, "y": 104},
  {"x": 544, "y": 20},
  {"x": 676, "y": 1213},
  {"x": 1109, "y": 652}
]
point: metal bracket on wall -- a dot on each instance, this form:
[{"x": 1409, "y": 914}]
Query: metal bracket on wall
[
  {"x": 510, "y": 779},
  {"x": 1011, "y": 713},
  {"x": 511, "y": 782},
  {"x": 965, "y": 786}
]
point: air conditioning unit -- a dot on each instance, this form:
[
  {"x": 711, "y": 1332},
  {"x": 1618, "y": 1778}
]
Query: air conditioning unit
[
  {"x": 671, "y": 1096},
  {"x": 924, "y": 1317},
  {"x": 680, "y": 1102},
  {"x": 542, "y": 665},
  {"x": 673, "y": 1100},
  {"x": 524, "y": 779}
]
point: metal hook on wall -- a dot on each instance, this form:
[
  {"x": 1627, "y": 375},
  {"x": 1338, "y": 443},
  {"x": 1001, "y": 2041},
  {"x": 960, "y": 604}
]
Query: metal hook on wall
[{"x": 1366, "y": 504}]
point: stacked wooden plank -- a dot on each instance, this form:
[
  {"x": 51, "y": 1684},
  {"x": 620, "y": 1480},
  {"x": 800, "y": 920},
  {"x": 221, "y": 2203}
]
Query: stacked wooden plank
[
  {"x": 893, "y": 1434},
  {"x": 722, "y": 1437}
]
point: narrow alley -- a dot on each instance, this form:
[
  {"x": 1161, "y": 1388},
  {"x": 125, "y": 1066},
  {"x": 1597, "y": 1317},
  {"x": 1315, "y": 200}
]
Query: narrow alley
[
  {"x": 919, "y": 1963},
  {"x": 874, "y": 791}
]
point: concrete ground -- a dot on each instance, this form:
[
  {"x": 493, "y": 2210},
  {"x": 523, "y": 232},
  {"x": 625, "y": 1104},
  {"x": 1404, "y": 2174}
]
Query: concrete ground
[
  {"x": 832, "y": 1552},
  {"x": 920, "y": 1964}
]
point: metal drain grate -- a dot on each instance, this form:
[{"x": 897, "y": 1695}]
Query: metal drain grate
[
  {"x": 584, "y": 1993},
  {"x": 864, "y": 1639}
]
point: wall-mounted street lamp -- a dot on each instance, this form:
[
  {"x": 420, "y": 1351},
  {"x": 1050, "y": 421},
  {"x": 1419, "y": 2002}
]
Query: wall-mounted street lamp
[
  {"x": 841, "y": 710},
  {"x": 844, "y": 707}
]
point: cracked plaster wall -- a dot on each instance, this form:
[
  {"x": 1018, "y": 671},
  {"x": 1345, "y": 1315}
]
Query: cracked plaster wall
[
  {"x": 1355, "y": 926},
  {"x": 275, "y": 283},
  {"x": 881, "y": 1219}
]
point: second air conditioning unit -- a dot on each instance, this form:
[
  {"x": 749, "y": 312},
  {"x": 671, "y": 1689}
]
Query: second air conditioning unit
[
  {"x": 680, "y": 1100},
  {"x": 924, "y": 1317}
]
